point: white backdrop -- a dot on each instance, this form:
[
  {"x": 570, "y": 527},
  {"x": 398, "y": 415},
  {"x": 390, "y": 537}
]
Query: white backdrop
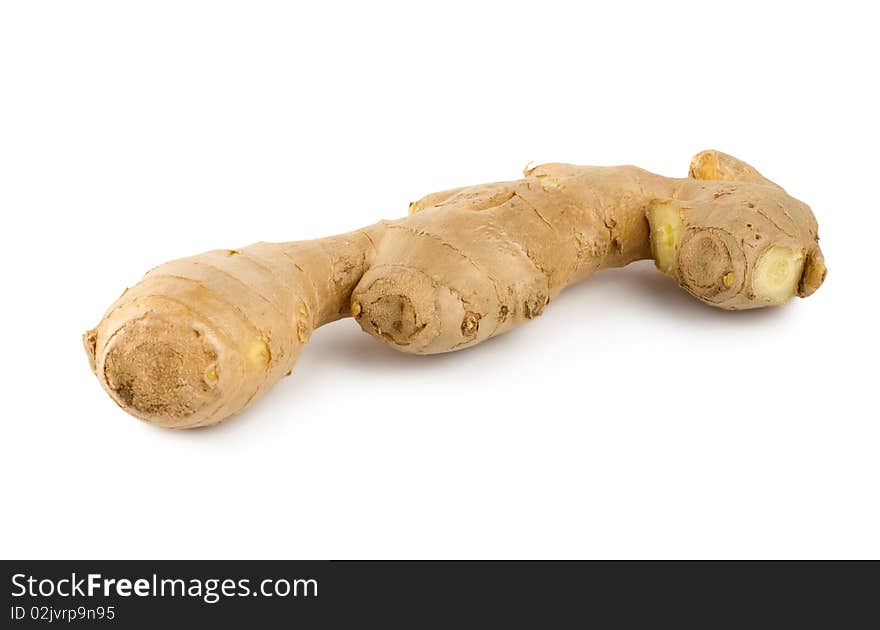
[{"x": 627, "y": 421}]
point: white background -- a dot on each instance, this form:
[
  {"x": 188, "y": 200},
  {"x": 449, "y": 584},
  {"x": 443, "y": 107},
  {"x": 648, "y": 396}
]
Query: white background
[{"x": 629, "y": 421}]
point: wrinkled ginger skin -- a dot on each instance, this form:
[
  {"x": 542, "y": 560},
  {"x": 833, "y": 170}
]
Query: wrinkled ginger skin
[
  {"x": 476, "y": 262},
  {"x": 199, "y": 338}
]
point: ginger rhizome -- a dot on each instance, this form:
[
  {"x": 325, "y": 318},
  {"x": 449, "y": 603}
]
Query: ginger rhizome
[{"x": 199, "y": 338}]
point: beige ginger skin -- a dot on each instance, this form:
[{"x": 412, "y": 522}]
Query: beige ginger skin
[{"x": 199, "y": 338}]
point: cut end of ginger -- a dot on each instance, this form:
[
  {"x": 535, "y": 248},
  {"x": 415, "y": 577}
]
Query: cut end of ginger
[
  {"x": 777, "y": 274},
  {"x": 664, "y": 218}
]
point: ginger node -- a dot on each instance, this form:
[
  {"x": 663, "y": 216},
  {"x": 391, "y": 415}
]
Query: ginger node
[
  {"x": 728, "y": 279},
  {"x": 259, "y": 353},
  {"x": 470, "y": 324}
]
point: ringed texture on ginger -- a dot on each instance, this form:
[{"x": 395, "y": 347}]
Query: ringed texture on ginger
[{"x": 197, "y": 339}]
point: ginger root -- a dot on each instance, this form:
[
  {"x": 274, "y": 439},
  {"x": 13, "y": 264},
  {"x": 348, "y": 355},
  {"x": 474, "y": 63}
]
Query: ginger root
[{"x": 199, "y": 338}]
